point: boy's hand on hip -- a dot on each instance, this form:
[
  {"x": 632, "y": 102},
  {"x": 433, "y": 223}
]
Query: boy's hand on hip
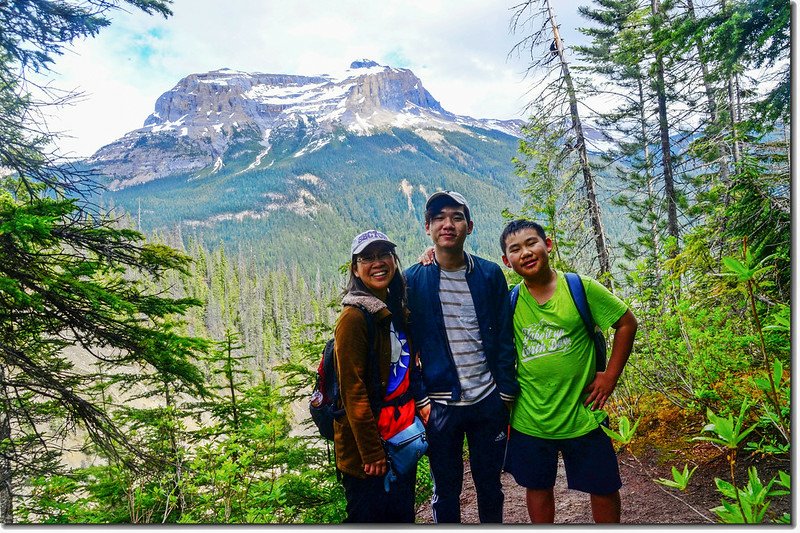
[{"x": 599, "y": 390}]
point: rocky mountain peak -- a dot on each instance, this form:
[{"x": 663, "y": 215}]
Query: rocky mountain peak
[
  {"x": 363, "y": 63},
  {"x": 198, "y": 120}
]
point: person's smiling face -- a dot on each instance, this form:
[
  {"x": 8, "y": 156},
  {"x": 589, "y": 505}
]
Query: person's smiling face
[
  {"x": 449, "y": 228},
  {"x": 527, "y": 253},
  {"x": 375, "y": 267}
]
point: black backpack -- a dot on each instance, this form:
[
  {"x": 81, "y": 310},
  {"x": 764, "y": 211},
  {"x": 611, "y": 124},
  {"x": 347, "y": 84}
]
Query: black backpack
[
  {"x": 578, "y": 293},
  {"x": 324, "y": 403}
]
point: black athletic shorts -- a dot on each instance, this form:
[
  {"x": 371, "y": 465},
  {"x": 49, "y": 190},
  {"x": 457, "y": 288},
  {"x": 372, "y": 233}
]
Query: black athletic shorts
[{"x": 590, "y": 462}]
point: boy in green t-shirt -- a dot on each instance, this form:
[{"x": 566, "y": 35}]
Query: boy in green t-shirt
[{"x": 559, "y": 406}]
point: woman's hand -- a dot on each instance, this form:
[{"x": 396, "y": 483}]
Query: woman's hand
[
  {"x": 378, "y": 468},
  {"x": 424, "y": 414}
]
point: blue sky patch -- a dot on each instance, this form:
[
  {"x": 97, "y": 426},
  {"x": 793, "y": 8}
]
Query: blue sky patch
[{"x": 396, "y": 58}]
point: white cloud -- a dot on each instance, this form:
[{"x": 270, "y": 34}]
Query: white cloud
[{"x": 459, "y": 48}]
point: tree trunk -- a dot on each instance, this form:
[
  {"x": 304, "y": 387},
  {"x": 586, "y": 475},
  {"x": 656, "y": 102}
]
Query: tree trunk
[
  {"x": 666, "y": 156},
  {"x": 733, "y": 111},
  {"x": 580, "y": 145},
  {"x": 6, "y": 490},
  {"x": 648, "y": 168},
  {"x": 229, "y": 363},
  {"x": 712, "y": 102},
  {"x": 733, "y": 115},
  {"x": 177, "y": 458}
]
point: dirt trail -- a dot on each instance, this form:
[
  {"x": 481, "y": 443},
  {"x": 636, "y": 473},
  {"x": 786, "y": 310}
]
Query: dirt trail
[{"x": 643, "y": 501}]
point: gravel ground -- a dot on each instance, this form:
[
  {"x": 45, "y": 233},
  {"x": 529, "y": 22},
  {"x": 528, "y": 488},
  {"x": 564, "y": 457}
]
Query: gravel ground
[{"x": 643, "y": 501}]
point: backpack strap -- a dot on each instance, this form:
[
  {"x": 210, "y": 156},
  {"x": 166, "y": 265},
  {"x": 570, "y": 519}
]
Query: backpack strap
[
  {"x": 578, "y": 293},
  {"x": 514, "y": 296}
]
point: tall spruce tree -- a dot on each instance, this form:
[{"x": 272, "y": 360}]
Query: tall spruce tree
[
  {"x": 617, "y": 60},
  {"x": 550, "y": 188},
  {"x": 658, "y": 21},
  {"x": 64, "y": 267}
]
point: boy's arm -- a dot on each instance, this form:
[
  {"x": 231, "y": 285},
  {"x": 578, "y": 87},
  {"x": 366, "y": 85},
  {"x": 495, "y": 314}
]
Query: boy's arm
[{"x": 605, "y": 382}]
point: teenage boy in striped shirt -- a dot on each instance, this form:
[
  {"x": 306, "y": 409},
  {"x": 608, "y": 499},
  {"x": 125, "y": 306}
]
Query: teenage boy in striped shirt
[{"x": 461, "y": 326}]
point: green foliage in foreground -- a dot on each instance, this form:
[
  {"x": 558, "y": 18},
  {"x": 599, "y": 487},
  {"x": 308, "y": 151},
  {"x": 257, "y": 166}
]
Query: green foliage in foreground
[
  {"x": 232, "y": 458},
  {"x": 749, "y": 504},
  {"x": 741, "y": 503},
  {"x": 680, "y": 480},
  {"x": 251, "y": 471}
]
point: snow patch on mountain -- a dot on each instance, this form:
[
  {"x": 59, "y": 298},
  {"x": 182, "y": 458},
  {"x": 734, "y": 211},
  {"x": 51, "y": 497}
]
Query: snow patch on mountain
[
  {"x": 259, "y": 157},
  {"x": 407, "y": 189},
  {"x": 168, "y": 125},
  {"x": 305, "y": 204},
  {"x": 313, "y": 146}
]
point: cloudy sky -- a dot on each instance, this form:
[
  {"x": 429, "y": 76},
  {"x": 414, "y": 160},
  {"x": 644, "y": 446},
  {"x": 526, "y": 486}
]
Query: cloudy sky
[{"x": 459, "y": 48}]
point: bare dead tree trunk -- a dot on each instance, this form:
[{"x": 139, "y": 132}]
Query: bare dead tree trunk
[{"x": 580, "y": 145}]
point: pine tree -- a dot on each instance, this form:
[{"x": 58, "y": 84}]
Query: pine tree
[
  {"x": 228, "y": 365},
  {"x": 551, "y": 188},
  {"x": 657, "y": 23},
  {"x": 617, "y": 55}
]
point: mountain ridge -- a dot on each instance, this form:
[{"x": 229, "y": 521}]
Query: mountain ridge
[
  {"x": 198, "y": 120},
  {"x": 287, "y": 168}
]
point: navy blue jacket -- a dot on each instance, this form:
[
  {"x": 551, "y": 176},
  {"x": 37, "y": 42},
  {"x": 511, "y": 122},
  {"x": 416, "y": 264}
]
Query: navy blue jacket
[{"x": 490, "y": 296}]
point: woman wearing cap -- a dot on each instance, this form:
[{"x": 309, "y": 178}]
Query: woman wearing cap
[{"x": 376, "y": 378}]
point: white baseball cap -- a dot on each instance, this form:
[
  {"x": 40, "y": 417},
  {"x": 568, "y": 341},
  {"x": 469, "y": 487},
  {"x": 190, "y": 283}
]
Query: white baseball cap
[{"x": 362, "y": 240}]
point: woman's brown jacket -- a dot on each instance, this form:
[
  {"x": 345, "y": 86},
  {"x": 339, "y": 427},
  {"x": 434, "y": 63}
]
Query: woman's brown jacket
[{"x": 356, "y": 438}]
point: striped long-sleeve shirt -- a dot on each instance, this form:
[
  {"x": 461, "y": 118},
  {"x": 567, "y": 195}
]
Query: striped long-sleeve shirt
[{"x": 464, "y": 337}]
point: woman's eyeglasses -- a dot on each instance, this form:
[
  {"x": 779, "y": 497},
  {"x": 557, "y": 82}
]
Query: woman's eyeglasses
[{"x": 369, "y": 259}]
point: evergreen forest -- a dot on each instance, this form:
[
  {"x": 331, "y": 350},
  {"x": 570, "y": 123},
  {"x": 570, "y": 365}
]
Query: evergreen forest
[{"x": 150, "y": 378}]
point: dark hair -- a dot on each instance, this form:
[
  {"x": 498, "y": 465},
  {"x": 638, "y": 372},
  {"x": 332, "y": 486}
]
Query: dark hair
[
  {"x": 398, "y": 300},
  {"x": 440, "y": 203},
  {"x": 515, "y": 226}
]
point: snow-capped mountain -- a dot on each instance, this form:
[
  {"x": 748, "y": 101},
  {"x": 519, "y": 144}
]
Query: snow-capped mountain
[
  {"x": 198, "y": 124},
  {"x": 290, "y": 167}
]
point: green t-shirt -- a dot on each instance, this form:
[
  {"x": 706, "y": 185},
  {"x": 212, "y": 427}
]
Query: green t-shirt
[{"x": 556, "y": 360}]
